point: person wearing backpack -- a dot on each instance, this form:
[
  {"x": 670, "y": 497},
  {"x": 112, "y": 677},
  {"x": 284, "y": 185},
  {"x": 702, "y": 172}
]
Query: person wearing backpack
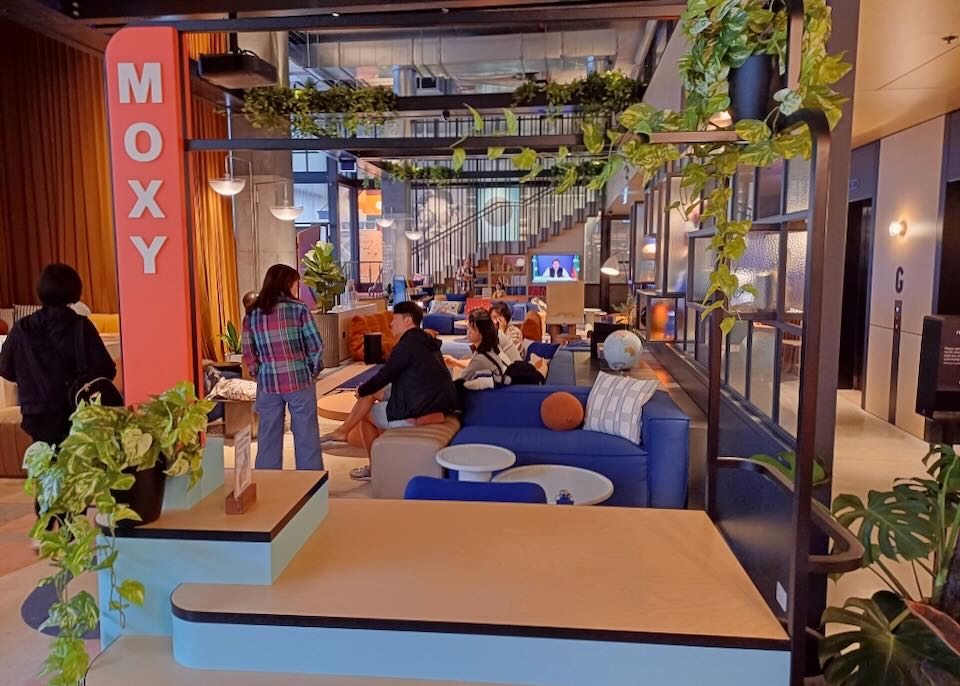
[{"x": 52, "y": 355}]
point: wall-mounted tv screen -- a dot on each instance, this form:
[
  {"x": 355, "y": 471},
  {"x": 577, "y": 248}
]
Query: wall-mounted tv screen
[{"x": 554, "y": 267}]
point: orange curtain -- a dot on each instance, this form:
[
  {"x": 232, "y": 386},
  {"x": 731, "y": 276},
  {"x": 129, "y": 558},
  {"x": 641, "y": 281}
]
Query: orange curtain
[
  {"x": 215, "y": 250},
  {"x": 214, "y": 246},
  {"x": 55, "y": 201}
]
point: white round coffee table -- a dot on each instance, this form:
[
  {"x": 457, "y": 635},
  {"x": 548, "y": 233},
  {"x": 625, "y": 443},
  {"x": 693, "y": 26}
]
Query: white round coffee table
[
  {"x": 475, "y": 461},
  {"x": 586, "y": 487}
]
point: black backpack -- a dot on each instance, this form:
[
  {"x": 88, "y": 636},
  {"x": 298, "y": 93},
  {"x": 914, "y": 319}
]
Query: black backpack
[{"x": 519, "y": 373}]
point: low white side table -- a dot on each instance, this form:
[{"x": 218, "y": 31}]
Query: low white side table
[
  {"x": 475, "y": 461},
  {"x": 586, "y": 487}
]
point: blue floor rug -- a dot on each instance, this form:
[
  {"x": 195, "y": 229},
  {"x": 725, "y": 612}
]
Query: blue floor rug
[{"x": 362, "y": 377}]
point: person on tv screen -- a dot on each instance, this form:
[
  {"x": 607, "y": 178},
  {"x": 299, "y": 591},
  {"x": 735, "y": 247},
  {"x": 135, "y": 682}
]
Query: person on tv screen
[{"x": 556, "y": 271}]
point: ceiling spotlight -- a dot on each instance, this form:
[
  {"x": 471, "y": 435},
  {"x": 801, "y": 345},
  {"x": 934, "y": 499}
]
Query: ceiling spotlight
[{"x": 227, "y": 185}]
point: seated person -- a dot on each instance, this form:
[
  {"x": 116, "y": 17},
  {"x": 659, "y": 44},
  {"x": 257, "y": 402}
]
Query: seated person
[
  {"x": 510, "y": 335},
  {"x": 412, "y": 384},
  {"x": 487, "y": 359},
  {"x": 499, "y": 291},
  {"x": 556, "y": 271}
]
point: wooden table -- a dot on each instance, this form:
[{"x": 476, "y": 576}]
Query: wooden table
[{"x": 336, "y": 405}]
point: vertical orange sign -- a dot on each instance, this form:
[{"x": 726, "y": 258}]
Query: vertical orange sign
[{"x": 150, "y": 212}]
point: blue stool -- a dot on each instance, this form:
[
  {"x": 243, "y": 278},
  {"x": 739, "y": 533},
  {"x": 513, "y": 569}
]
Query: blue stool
[{"x": 430, "y": 488}]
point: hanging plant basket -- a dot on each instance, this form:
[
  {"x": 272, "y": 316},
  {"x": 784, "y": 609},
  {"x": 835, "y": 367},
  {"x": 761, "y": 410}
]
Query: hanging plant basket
[
  {"x": 752, "y": 86},
  {"x": 145, "y": 497}
]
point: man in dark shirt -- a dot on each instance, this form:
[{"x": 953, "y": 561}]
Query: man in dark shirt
[
  {"x": 556, "y": 271},
  {"x": 413, "y": 384}
]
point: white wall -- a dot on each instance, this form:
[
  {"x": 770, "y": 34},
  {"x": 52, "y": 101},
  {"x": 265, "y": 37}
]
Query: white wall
[{"x": 908, "y": 188}]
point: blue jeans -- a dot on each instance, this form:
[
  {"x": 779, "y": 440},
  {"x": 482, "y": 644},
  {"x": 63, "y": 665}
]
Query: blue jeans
[{"x": 303, "y": 419}]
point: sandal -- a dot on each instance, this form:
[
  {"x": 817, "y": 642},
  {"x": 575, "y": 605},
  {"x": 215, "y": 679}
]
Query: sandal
[{"x": 361, "y": 473}]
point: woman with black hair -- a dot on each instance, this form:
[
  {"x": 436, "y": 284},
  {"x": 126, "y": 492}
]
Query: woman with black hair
[
  {"x": 283, "y": 352},
  {"x": 487, "y": 358},
  {"x": 51, "y": 354}
]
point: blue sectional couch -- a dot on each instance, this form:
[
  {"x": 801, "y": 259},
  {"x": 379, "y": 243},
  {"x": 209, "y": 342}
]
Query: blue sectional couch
[{"x": 653, "y": 474}]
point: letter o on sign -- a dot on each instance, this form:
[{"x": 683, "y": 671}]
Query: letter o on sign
[{"x": 154, "y": 137}]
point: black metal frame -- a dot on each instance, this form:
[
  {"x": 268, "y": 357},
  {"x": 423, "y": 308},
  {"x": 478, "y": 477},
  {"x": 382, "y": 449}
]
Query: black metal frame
[{"x": 801, "y": 563}]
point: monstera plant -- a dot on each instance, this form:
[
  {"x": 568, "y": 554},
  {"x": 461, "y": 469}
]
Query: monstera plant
[{"x": 908, "y": 634}]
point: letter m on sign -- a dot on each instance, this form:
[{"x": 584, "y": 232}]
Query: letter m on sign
[{"x": 139, "y": 85}]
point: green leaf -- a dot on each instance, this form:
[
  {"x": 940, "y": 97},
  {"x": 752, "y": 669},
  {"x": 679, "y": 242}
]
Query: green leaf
[
  {"x": 512, "y": 125},
  {"x": 753, "y": 130},
  {"x": 525, "y": 159},
  {"x": 459, "y": 157},
  {"x": 790, "y": 101},
  {"x": 494, "y": 153},
  {"x": 532, "y": 174},
  {"x": 563, "y": 153},
  {"x": 884, "y": 645},
  {"x": 131, "y": 591},
  {"x": 477, "y": 119},
  {"x": 593, "y": 138},
  {"x": 898, "y": 520},
  {"x": 786, "y": 464},
  {"x": 727, "y": 324},
  {"x": 566, "y": 182}
]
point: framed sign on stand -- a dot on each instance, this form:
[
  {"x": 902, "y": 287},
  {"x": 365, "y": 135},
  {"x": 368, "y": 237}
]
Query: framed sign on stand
[{"x": 244, "y": 493}]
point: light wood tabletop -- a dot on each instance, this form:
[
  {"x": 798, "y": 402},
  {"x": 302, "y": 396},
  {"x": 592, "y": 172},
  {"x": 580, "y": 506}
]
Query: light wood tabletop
[
  {"x": 631, "y": 574},
  {"x": 336, "y": 405},
  {"x": 280, "y": 495}
]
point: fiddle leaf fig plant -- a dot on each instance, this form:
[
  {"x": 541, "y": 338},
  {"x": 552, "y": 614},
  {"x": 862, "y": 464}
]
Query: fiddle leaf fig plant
[
  {"x": 323, "y": 276},
  {"x": 908, "y": 634},
  {"x": 98, "y": 460}
]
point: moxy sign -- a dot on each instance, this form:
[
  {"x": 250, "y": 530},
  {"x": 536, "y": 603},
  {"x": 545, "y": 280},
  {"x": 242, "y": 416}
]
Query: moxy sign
[{"x": 146, "y": 137}]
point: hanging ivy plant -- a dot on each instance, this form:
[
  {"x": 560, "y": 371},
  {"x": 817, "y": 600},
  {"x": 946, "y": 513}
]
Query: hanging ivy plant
[
  {"x": 723, "y": 34},
  {"x": 598, "y": 93},
  {"x": 308, "y": 111},
  {"x": 404, "y": 171}
]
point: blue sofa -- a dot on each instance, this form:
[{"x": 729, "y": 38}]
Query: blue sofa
[{"x": 653, "y": 474}]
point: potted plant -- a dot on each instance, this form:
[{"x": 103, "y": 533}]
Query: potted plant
[
  {"x": 323, "y": 276},
  {"x": 908, "y": 634},
  {"x": 233, "y": 343},
  {"x": 99, "y": 465}
]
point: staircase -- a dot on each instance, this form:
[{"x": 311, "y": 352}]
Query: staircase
[{"x": 504, "y": 227}]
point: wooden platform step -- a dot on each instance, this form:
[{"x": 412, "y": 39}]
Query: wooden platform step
[
  {"x": 573, "y": 596},
  {"x": 148, "y": 661}
]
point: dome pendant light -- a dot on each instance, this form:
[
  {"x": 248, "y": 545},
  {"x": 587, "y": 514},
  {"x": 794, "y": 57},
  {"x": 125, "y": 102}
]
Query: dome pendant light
[{"x": 286, "y": 212}]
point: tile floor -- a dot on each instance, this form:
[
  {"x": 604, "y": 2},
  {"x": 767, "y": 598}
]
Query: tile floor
[{"x": 869, "y": 454}]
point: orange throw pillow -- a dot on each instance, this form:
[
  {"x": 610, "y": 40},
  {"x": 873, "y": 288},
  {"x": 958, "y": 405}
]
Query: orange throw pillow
[
  {"x": 532, "y": 328},
  {"x": 561, "y": 411}
]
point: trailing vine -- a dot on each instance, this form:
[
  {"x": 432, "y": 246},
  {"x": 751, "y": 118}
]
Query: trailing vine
[
  {"x": 309, "y": 111},
  {"x": 597, "y": 93},
  {"x": 723, "y": 34}
]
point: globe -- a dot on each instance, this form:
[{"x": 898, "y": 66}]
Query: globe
[{"x": 622, "y": 350}]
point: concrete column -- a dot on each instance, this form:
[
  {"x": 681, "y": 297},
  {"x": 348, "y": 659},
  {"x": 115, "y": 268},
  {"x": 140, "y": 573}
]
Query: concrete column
[
  {"x": 405, "y": 85},
  {"x": 262, "y": 240},
  {"x": 395, "y": 199}
]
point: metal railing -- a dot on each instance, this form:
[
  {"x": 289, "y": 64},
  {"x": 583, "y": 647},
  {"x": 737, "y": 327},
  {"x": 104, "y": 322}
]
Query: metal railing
[{"x": 503, "y": 226}]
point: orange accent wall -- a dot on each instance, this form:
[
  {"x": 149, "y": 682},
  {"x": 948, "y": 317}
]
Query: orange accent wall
[{"x": 156, "y": 313}]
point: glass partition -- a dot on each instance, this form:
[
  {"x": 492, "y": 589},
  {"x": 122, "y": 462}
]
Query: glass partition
[
  {"x": 758, "y": 268},
  {"x": 769, "y": 190},
  {"x": 796, "y": 271},
  {"x": 677, "y": 252},
  {"x": 764, "y": 345},
  {"x": 798, "y": 185}
]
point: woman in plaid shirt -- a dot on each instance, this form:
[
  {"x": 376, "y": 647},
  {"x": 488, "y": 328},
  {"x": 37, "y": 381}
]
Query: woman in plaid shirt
[{"x": 284, "y": 353}]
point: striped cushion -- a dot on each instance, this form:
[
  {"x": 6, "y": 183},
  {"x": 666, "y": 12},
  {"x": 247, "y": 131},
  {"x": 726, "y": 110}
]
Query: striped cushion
[
  {"x": 21, "y": 311},
  {"x": 615, "y": 404}
]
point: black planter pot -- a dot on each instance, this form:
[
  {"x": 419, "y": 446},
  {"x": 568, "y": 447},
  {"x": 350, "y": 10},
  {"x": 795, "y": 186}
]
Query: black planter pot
[
  {"x": 146, "y": 496},
  {"x": 752, "y": 86}
]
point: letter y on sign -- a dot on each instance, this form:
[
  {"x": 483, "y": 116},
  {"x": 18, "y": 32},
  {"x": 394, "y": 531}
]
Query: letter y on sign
[{"x": 149, "y": 252}]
